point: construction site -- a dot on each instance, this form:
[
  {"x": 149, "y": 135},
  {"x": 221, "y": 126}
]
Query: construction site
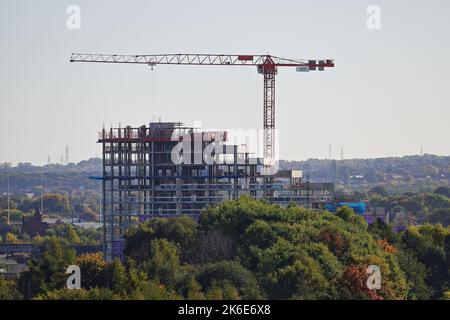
[{"x": 141, "y": 180}]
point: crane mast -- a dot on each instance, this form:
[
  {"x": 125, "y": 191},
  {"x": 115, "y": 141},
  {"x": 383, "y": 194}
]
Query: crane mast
[{"x": 267, "y": 65}]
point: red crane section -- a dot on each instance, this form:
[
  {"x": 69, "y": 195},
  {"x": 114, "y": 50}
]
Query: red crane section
[{"x": 267, "y": 65}]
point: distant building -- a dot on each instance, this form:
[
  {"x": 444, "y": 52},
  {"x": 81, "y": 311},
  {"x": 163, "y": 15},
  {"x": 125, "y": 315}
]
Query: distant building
[
  {"x": 11, "y": 269},
  {"x": 399, "y": 221},
  {"x": 376, "y": 213},
  {"x": 34, "y": 226}
]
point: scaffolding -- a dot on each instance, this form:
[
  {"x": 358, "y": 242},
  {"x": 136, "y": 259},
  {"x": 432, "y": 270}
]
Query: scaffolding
[{"x": 141, "y": 180}]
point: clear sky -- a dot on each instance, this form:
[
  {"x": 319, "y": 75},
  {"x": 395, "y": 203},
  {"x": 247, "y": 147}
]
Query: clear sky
[{"x": 388, "y": 95}]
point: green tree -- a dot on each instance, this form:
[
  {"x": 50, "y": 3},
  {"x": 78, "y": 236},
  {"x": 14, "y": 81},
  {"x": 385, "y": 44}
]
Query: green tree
[
  {"x": 446, "y": 295},
  {"x": 116, "y": 277},
  {"x": 380, "y": 190},
  {"x": 441, "y": 216},
  {"x": 49, "y": 271},
  {"x": 56, "y": 257},
  {"x": 187, "y": 284},
  {"x": 381, "y": 230},
  {"x": 53, "y": 203},
  {"x": 163, "y": 263},
  {"x": 430, "y": 244},
  {"x": 416, "y": 273},
  {"x": 296, "y": 253},
  {"x": 232, "y": 278},
  {"x": 210, "y": 246},
  {"x": 9, "y": 290},
  {"x": 132, "y": 283},
  {"x": 93, "y": 271},
  {"x": 78, "y": 294},
  {"x": 180, "y": 231},
  {"x": 445, "y": 191}
]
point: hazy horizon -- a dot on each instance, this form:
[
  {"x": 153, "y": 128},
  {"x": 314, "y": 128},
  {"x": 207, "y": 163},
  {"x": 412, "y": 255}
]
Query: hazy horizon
[
  {"x": 387, "y": 96},
  {"x": 289, "y": 160}
]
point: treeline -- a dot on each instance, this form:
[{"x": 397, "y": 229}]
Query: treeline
[
  {"x": 409, "y": 173},
  {"x": 22, "y": 183},
  {"x": 248, "y": 249},
  {"x": 27, "y": 178},
  {"x": 432, "y": 207},
  {"x": 398, "y": 174},
  {"x": 83, "y": 204},
  {"x": 67, "y": 233}
]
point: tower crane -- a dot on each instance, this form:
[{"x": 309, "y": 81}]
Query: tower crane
[{"x": 267, "y": 65}]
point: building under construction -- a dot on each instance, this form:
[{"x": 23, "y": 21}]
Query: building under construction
[{"x": 168, "y": 169}]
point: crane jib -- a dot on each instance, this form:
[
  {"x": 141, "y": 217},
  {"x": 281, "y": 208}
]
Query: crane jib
[
  {"x": 202, "y": 59},
  {"x": 267, "y": 65}
]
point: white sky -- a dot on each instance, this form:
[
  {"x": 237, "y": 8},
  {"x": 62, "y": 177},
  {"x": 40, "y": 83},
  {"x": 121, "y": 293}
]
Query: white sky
[{"x": 388, "y": 95}]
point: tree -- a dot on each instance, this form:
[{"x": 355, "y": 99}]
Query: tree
[
  {"x": 334, "y": 241},
  {"x": 116, "y": 277},
  {"x": 56, "y": 257},
  {"x": 48, "y": 272},
  {"x": 444, "y": 191},
  {"x": 380, "y": 190},
  {"x": 430, "y": 245},
  {"x": 289, "y": 271},
  {"x": 11, "y": 238},
  {"x": 211, "y": 246},
  {"x": 79, "y": 294},
  {"x": 416, "y": 273},
  {"x": 89, "y": 215},
  {"x": 249, "y": 249},
  {"x": 132, "y": 283},
  {"x": 349, "y": 216},
  {"x": 441, "y": 216},
  {"x": 382, "y": 231},
  {"x": 354, "y": 281},
  {"x": 429, "y": 169},
  {"x": 180, "y": 231},
  {"x": 188, "y": 286},
  {"x": 66, "y": 232},
  {"x": 92, "y": 268},
  {"x": 224, "y": 291},
  {"x": 8, "y": 290},
  {"x": 30, "y": 282},
  {"x": 230, "y": 277},
  {"x": 163, "y": 262},
  {"x": 14, "y": 215},
  {"x": 296, "y": 253},
  {"x": 53, "y": 203}
]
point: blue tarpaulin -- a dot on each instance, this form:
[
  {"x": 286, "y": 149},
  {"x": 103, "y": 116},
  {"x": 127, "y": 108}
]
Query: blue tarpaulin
[{"x": 358, "y": 207}]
